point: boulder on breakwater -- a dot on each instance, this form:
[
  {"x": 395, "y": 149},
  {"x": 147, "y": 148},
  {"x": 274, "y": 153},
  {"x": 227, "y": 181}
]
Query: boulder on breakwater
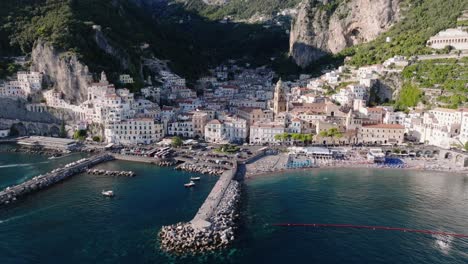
[
  {"x": 187, "y": 238},
  {"x": 203, "y": 169},
  {"x": 111, "y": 173},
  {"x": 166, "y": 163}
]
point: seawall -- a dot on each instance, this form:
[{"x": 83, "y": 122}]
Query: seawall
[
  {"x": 213, "y": 225},
  {"x": 11, "y": 194}
]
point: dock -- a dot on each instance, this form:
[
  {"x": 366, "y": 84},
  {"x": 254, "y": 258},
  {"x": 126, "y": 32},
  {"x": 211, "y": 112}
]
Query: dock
[
  {"x": 11, "y": 194},
  {"x": 207, "y": 209}
]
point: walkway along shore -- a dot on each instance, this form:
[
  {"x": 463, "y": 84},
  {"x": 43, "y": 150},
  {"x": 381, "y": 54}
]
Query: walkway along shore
[
  {"x": 213, "y": 225},
  {"x": 10, "y": 194}
]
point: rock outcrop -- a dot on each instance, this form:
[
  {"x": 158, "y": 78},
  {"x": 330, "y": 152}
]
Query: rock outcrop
[
  {"x": 63, "y": 71},
  {"x": 329, "y": 26}
]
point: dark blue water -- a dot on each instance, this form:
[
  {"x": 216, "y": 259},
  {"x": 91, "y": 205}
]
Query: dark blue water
[
  {"x": 18, "y": 167},
  {"x": 73, "y": 223}
]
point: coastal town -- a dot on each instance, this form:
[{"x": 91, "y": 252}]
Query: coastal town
[{"x": 237, "y": 123}]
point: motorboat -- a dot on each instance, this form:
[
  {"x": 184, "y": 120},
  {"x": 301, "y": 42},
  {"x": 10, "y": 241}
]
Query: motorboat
[
  {"x": 109, "y": 193},
  {"x": 190, "y": 184},
  {"x": 195, "y": 178}
]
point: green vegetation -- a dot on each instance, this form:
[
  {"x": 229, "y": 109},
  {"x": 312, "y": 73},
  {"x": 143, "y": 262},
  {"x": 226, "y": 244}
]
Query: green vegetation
[
  {"x": 410, "y": 95},
  {"x": 304, "y": 138},
  {"x": 228, "y": 148},
  {"x": 176, "y": 142},
  {"x": 466, "y": 146},
  {"x": 239, "y": 8},
  {"x": 8, "y": 68},
  {"x": 448, "y": 75},
  {"x": 421, "y": 20},
  {"x": 80, "y": 135},
  {"x": 191, "y": 46},
  {"x": 332, "y": 133},
  {"x": 97, "y": 139}
]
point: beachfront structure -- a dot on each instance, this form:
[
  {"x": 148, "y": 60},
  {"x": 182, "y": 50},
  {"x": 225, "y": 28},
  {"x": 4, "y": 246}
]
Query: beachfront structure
[
  {"x": 49, "y": 142},
  {"x": 439, "y": 127},
  {"x": 454, "y": 37},
  {"x": 181, "y": 128},
  {"x": 265, "y": 132},
  {"x": 381, "y": 134},
  {"x": 199, "y": 120},
  {"x": 229, "y": 130},
  {"x": 134, "y": 131}
]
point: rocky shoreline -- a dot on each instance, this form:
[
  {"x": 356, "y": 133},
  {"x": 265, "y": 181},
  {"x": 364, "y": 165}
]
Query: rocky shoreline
[
  {"x": 184, "y": 238},
  {"x": 203, "y": 169}
]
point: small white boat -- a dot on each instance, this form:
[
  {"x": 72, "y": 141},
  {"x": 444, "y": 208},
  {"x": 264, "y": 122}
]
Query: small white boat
[
  {"x": 108, "y": 193},
  {"x": 194, "y": 178},
  {"x": 190, "y": 184}
]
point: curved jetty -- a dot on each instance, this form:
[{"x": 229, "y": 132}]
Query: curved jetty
[
  {"x": 214, "y": 224},
  {"x": 111, "y": 173},
  {"x": 37, "y": 183}
]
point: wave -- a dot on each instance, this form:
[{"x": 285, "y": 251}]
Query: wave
[
  {"x": 2, "y": 221},
  {"x": 16, "y": 165}
]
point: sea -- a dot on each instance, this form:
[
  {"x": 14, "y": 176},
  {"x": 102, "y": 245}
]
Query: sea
[{"x": 72, "y": 222}]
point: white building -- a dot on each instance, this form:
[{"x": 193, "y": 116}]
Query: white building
[
  {"x": 230, "y": 129},
  {"x": 394, "y": 118},
  {"x": 26, "y": 84},
  {"x": 126, "y": 79},
  {"x": 265, "y": 132},
  {"x": 454, "y": 37},
  {"x": 381, "y": 134},
  {"x": 134, "y": 131}
]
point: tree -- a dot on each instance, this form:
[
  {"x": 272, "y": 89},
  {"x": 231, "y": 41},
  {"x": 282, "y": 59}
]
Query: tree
[
  {"x": 80, "y": 134},
  {"x": 331, "y": 133},
  {"x": 176, "y": 142}
]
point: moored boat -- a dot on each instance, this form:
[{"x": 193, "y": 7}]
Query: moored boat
[
  {"x": 194, "y": 178},
  {"x": 189, "y": 185},
  {"x": 109, "y": 193}
]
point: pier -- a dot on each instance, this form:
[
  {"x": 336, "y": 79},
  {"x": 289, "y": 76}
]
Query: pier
[
  {"x": 213, "y": 226},
  {"x": 11, "y": 194}
]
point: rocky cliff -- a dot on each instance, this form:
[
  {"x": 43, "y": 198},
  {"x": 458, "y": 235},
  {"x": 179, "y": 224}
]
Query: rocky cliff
[
  {"x": 62, "y": 71},
  {"x": 329, "y": 26}
]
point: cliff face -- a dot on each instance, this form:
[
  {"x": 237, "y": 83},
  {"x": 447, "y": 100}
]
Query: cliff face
[
  {"x": 329, "y": 26},
  {"x": 62, "y": 71}
]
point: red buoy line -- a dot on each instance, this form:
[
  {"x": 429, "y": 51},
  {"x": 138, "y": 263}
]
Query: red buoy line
[{"x": 376, "y": 228}]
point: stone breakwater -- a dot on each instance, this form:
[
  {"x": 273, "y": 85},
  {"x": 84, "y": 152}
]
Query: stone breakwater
[
  {"x": 188, "y": 238},
  {"x": 37, "y": 183},
  {"x": 166, "y": 163},
  {"x": 200, "y": 168},
  {"x": 111, "y": 173}
]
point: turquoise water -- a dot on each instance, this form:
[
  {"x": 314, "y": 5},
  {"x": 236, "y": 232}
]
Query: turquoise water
[{"x": 72, "y": 223}]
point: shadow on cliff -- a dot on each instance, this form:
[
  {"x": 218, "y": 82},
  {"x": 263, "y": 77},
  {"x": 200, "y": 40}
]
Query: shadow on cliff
[{"x": 313, "y": 60}]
